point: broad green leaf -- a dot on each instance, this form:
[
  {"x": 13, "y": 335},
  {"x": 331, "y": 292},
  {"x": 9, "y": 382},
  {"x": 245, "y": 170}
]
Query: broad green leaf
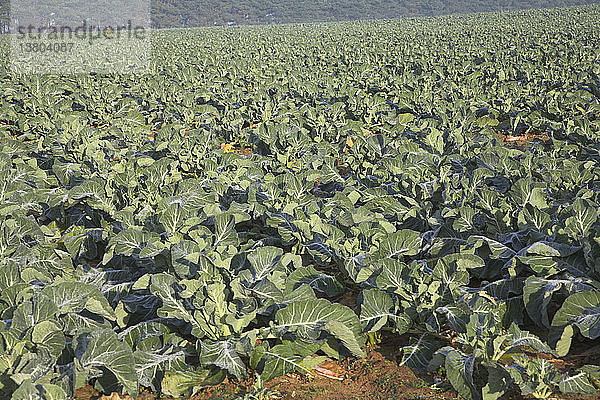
[
  {"x": 74, "y": 297},
  {"x": 308, "y": 319},
  {"x": 185, "y": 383},
  {"x": 102, "y": 348},
  {"x": 578, "y": 383},
  {"x": 435, "y": 140},
  {"x": 498, "y": 382},
  {"x": 419, "y": 352},
  {"x": 404, "y": 242},
  {"x": 538, "y": 293},
  {"x": 151, "y": 366},
  {"x": 584, "y": 216},
  {"x": 287, "y": 357},
  {"x": 459, "y": 369},
  {"x": 225, "y": 233},
  {"x": 563, "y": 345},
  {"x": 223, "y": 355},
  {"x": 582, "y": 310},
  {"x": 30, "y": 391},
  {"x": 262, "y": 261},
  {"x": 315, "y": 279},
  {"x": 377, "y": 309},
  {"x": 342, "y": 332}
]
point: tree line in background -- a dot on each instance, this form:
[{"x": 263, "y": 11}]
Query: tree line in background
[
  {"x": 187, "y": 13},
  {"x": 180, "y": 13}
]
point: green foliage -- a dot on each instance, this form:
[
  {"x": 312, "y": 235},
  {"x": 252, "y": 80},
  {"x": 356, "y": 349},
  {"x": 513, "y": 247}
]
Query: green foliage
[{"x": 135, "y": 251}]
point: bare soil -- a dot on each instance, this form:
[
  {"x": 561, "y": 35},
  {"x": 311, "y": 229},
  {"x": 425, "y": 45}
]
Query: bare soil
[{"x": 376, "y": 377}]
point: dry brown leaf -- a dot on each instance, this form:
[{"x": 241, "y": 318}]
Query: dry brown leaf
[{"x": 330, "y": 370}]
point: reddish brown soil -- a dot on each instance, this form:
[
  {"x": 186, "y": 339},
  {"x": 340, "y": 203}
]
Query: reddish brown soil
[
  {"x": 372, "y": 378},
  {"x": 376, "y": 377}
]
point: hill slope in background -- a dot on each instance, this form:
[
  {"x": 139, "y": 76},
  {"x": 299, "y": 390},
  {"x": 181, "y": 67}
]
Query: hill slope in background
[
  {"x": 188, "y": 13},
  {"x": 182, "y": 13}
]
